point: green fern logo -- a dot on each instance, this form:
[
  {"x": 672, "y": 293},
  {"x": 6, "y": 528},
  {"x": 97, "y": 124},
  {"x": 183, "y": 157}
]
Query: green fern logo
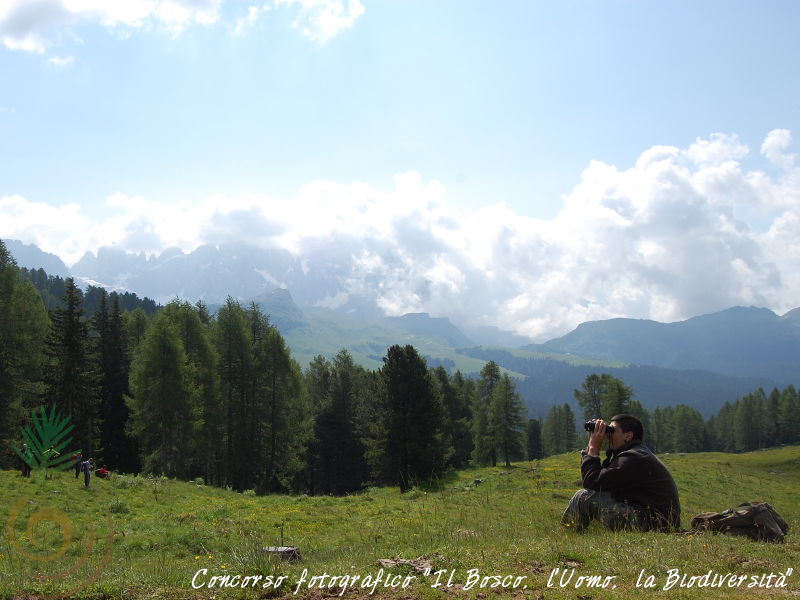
[{"x": 45, "y": 441}]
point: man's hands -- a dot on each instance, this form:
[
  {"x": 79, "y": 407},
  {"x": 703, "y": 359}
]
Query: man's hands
[{"x": 597, "y": 437}]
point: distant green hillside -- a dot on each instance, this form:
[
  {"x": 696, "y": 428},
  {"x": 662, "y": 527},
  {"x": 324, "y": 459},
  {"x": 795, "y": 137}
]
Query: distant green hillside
[
  {"x": 326, "y": 332},
  {"x": 547, "y": 373},
  {"x": 739, "y": 342},
  {"x": 150, "y": 538},
  {"x": 551, "y": 378}
]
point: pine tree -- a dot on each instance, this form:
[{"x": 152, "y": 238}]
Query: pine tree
[
  {"x": 457, "y": 404},
  {"x": 534, "y": 439},
  {"x": 558, "y": 430},
  {"x": 340, "y": 465},
  {"x": 317, "y": 383},
  {"x": 568, "y": 428},
  {"x": 724, "y": 428},
  {"x": 660, "y": 434},
  {"x": 591, "y": 397},
  {"x": 10, "y": 410},
  {"x": 788, "y": 416},
  {"x": 233, "y": 341},
  {"x": 72, "y": 374},
  {"x": 287, "y": 424},
  {"x": 747, "y": 422},
  {"x": 119, "y": 451},
  {"x": 509, "y": 417},
  {"x": 484, "y": 427},
  {"x": 769, "y": 419},
  {"x": 24, "y": 326},
  {"x": 603, "y": 396},
  {"x": 687, "y": 429},
  {"x": 137, "y": 323},
  {"x": 414, "y": 447}
]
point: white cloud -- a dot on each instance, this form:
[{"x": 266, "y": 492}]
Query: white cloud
[
  {"x": 61, "y": 61},
  {"x": 35, "y": 25},
  {"x": 321, "y": 20},
  {"x": 254, "y": 13},
  {"x": 775, "y": 146},
  {"x": 718, "y": 149},
  {"x": 665, "y": 239}
]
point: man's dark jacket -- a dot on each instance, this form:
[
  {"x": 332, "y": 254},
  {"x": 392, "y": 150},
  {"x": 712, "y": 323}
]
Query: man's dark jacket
[{"x": 634, "y": 475}]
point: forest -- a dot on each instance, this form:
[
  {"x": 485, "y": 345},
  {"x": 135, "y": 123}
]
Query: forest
[{"x": 177, "y": 391}]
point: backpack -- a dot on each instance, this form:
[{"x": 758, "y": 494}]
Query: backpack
[{"x": 756, "y": 520}]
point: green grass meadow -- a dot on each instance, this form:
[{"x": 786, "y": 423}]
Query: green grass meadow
[{"x": 139, "y": 537}]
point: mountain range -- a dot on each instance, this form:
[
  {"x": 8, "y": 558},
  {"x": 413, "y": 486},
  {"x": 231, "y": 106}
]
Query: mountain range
[{"x": 703, "y": 361}]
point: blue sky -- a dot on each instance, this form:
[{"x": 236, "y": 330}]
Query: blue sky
[{"x": 501, "y": 106}]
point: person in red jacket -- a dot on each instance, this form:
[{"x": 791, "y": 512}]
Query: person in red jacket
[
  {"x": 630, "y": 489},
  {"x": 102, "y": 472}
]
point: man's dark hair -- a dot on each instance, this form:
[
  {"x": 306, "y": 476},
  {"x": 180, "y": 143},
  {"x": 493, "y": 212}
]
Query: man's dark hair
[{"x": 628, "y": 423}]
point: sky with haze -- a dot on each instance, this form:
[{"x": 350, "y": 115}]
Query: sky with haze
[{"x": 530, "y": 164}]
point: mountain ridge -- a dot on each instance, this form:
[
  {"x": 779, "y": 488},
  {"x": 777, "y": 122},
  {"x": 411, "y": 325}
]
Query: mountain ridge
[
  {"x": 738, "y": 341},
  {"x": 702, "y": 361}
]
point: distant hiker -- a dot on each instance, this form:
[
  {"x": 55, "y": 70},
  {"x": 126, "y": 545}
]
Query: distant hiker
[
  {"x": 86, "y": 467},
  {"x": 77, "y": 458},
  {"x": 27, "y": 457},
  {"x": 630, "y": 489},
  {"x": 102, "y": 472},
  {"x": 50, "y": 453}
]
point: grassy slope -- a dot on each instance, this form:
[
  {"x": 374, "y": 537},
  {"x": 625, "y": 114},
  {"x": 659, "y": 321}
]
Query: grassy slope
[
  {"x": 163, "y": 531},
  {"x": 327, "y": 332}
]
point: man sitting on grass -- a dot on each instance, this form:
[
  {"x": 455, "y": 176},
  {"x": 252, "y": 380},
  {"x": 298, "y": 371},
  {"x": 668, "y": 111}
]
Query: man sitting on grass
[{"x": 630, "y": 489}]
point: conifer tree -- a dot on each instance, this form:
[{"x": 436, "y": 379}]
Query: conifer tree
[
  {"x": 24, "y": 326},
  {"x": 414, "y": 446},
  {"x": 534, "y": 439},
  {"x": 484, "y": 426},
  {"x": 10, "y": 411},
  {"x": 457, "y": 415},
  {"x": 687, "y": 429},
  {"x": 558, "y": 430},
  {"x": 286, "y": 426},
  {"x": 591, "y": 397},
  {"x": 769, "y": 419},
  {"x": 201, "y": 359},
  {"x": 660, "y": 436},
  {"x": 111, "y": 347},
  {"x": 788, "y": 417},
  {"x": 28, "y": 339},
  {"x": 317, "y": 380},
  {"x": 747, "y": 421},
  {"x": 603, "y": 396},
  {"x": 232, "y": 338},
  {"x": 340, "y": 465},
  {"x": 72, "y": 372},
  {"x": 724, "y": 428},
  {"x": 509, "y": 418},
  {"x": 164, "y": 418}
]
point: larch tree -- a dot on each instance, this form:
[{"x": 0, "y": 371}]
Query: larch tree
[
  {"x": 201, "y": 359},
  {"x": 164, "y": 417},
  {"x": 484, "y": 434},
  {"x": 509, "y": 417},
  {"x": 24, "y": 326}
]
